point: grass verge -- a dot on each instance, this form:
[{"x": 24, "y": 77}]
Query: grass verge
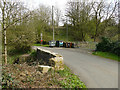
[
  {"x": 41, "y": 45},
  {"x": 69, "y": 80},
  {"x": 107, "y": 55}
]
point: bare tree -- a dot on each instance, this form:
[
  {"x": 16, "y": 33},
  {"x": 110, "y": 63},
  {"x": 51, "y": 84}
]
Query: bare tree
[
  {"x": 98, "y": 13},
  {"x": 79, "y": 14},
  {"x": 102, "y": 11},
  {"x": 58, "y": 16},
  {"x": 42, "y": 20}
]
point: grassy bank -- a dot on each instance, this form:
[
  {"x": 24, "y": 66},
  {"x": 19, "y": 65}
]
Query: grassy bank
[{"x": 107, "y": 55}]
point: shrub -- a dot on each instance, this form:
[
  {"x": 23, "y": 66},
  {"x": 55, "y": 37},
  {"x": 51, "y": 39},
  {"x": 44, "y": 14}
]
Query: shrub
[
  {"x": 116, "y": 48},
  {"x": 107, "y": 46},
  {"x": 104, "y": 45},
  {"x": 20, "y": 39}
]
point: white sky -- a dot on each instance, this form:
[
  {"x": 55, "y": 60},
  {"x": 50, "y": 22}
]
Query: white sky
[{"x": 35, "y": 3}]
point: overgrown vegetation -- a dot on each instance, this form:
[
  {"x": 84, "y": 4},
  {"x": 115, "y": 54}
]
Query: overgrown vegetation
[{"x": 25, "y": 76}]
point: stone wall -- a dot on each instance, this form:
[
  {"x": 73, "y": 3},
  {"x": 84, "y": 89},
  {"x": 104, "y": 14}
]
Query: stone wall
[
  {"x": 86, "y": 45},
  {"x": 52, "y": 59}
]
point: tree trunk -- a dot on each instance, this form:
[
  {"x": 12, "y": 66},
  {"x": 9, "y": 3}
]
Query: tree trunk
[
  {"x": 94, "y": 38},
  {"x": 5, "y": 48},
  {"x": 4, "y": 33},
  {"x": 95, "y": 34},
  {"x": 96, "y": 31}
]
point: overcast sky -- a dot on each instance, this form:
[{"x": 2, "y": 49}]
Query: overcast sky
[
  {"x": 32, "y": 4},
  {"x": 61, "y": 4}
]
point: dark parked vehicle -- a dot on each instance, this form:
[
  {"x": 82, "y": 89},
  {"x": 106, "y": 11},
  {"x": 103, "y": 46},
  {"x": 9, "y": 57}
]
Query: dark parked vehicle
[
  {"x": 64, "y": 44},
  {"x": 57, "y": 44},
  {"x": 72, "y": 45}
]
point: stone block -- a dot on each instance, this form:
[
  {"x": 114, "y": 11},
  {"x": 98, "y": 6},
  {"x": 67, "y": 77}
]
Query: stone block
[
  {"x": 43, "y": 69},
  {"x": 52, "y": 59},
  {"x": 57, "y": 63}
]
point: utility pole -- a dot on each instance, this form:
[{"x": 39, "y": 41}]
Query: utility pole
[
  {"x": 53, "y": 22},
  {"x": 41, "y": 39},
  {"x": 66, "y": 30}
]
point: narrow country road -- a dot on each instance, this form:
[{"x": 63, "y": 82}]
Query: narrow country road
[{"x": 94, "y": 71}]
